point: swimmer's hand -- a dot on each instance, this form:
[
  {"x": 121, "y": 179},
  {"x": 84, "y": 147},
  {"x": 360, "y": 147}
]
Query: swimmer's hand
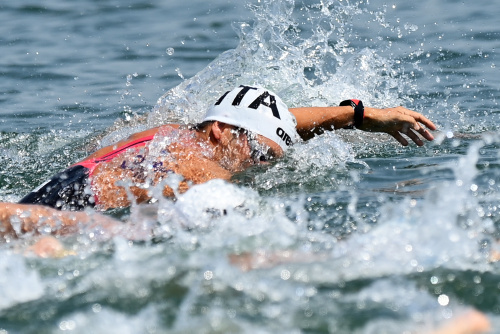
[
  {"x": 49, "y": 247},
  {"x": 397, "y": 122}
]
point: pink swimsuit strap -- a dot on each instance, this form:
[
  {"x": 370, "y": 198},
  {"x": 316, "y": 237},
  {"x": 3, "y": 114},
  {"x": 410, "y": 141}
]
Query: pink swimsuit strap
[{"x": 91, "y": 164}]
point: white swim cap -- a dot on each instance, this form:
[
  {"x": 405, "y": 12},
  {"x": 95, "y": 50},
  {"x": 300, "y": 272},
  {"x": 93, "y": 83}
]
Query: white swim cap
[{"x": 257, "y": 110}]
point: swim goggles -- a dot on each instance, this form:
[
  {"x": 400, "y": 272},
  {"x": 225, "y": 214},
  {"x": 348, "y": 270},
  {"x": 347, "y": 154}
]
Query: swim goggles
[{"x": 259, "y": 152}]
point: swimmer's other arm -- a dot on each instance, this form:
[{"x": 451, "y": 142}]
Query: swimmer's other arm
[
  {"x": 396, "y": 121},
  {"x": 24, "y": 218}
]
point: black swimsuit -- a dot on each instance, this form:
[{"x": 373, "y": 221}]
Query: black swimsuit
[{"x": 67, "y": 190}]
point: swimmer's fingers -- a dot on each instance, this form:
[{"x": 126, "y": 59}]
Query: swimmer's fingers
[
  {"x": 413, "y": 130},
  {"x": 410, "y": 126},
  {"x": 399, "y": 122},
  {"x": 425, "y": 133},
  {"x": 406, "y": 126},
  {"x": 421, "y": 119},
  {"x": 413, "y": 136},
  {"x": 399, "y": 138},
  {"x": 409, "y": 129},
  {"x": 417, "y": 120}
]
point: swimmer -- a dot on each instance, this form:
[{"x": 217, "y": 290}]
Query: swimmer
[{"x": 246, "y": 126}]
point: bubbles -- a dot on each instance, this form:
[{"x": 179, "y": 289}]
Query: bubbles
[
  {"x": 170, "y": 51},
  {"x": 67, "y": 325},
  {"x": 129, "y": 79},
  {"x": 443, "y": 300},
  {"x": 179, "y": 73},
  {"x": 285, "y": 275},
  {"x": 96, "y": 308},
  {"x": 208, "y": 275}
]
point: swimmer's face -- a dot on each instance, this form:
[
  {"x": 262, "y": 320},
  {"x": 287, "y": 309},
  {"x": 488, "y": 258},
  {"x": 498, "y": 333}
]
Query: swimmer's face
[
  {"x": 262, "y": 149},
  {"x": 240, "y": 149},
  {"x": 257, "y": 149}
]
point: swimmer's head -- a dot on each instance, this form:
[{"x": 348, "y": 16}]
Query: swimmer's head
[{"x": 257, "y": 110}]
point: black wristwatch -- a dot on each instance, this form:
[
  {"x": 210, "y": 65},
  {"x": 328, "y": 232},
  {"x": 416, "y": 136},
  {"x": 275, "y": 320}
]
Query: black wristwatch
[{"x": 359, "y": 111}]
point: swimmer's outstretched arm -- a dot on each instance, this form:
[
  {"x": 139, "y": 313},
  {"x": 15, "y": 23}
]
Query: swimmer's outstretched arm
[
  {"x": 469, "y": 322},
  {"x": 394, "y": 121},
  {"x": 18, "y": 219}
]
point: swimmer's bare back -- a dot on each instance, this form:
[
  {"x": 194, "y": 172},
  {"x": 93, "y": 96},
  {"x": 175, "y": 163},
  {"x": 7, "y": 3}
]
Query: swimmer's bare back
[{"x": 111, "y": 176}]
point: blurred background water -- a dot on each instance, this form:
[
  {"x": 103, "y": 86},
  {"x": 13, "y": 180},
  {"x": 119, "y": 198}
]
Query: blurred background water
[{"x": 391, "y": 238}]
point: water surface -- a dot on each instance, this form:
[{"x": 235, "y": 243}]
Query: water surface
[{"x": 390, "y": 238}]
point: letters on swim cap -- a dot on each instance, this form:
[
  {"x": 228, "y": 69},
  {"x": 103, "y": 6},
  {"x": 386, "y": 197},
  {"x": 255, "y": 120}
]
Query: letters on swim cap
[{"x": 257, "y": 110}]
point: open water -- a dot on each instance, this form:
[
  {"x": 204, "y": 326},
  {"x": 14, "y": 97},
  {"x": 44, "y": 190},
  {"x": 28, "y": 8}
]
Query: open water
[{"x": 385, "y": 239}]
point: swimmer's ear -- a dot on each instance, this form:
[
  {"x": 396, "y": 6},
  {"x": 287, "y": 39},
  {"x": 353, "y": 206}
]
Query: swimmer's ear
[
  {"x": 220, "y": 134},
  {"x": 217, "y": 128}
]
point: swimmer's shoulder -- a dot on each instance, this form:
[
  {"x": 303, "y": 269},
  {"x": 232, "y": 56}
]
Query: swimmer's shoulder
[{"x": 147, "y": 133}]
